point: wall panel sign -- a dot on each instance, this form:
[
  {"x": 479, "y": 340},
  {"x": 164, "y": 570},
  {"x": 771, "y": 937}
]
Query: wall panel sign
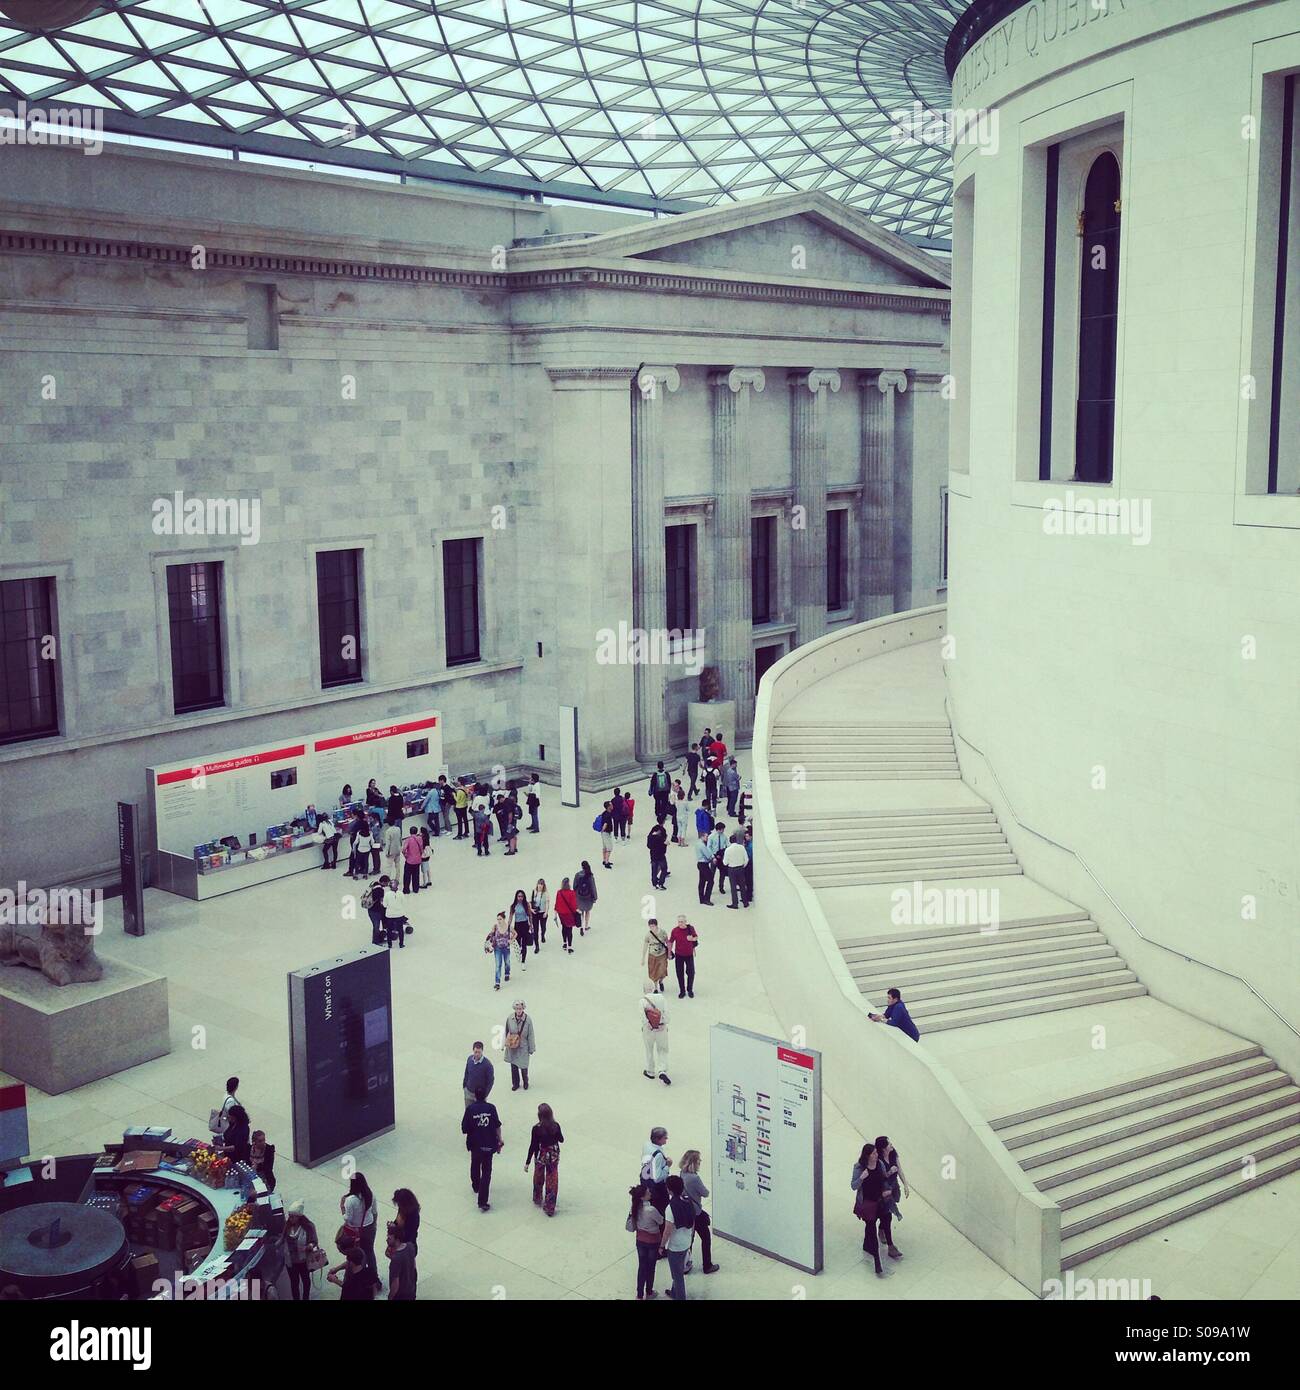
[
  {"x": 766, "y": 1135},
  {"x": 399, "y": 753}
]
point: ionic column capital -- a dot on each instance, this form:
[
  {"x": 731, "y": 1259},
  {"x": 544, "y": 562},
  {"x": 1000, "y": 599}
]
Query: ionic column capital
[
  {"x": 738, "y": 378},
  {"x": 891, "y": 381},
  {"x": 816, "y": 380},
  {"x": 650, "y": 378}
]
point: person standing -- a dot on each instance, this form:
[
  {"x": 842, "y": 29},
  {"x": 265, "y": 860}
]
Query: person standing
[
  {"x": 520, "y": 919},
  {"x": 219, "y": 1116},
  {"x": 534, "y": 803},
  {"x": 481, "y": 1126},
  {"x": 540, "y": 907},
  {"x": 654, "y": 1033},
  {"x": 566, "y": 909},
  {"x": 678, "y": 1232},
  {"x": 237, "y": 1141},
  {"x": 353, "y": 1277},
  {"x": 731, "y": 785},
  {"x": 396, "y": 807},
  {"x": 584, "y": 885},
  {"x": 479, "y": 1075},
  {"x": 460, "y": 803},
  {"x": 683, "y": 943},
  {"x": 703, "y": 821},
  {"x": 392, "y": 849},
  {"x": 618, "y": 813},
  {"x": 657, "y": 843},
  {"x": 677, "y": 809},
  {"x": 328, "y": 840},
  {"x": 896, "y": 1016},
  {"x": 718, "y": 753},
  {"x": 413, "y": 851},
  {"x": 695, "y": 1192},
  {"x": 692, "y": 768},
  {"x": 300, "y": 1241},
  {"x": 482, "y": 829},
  {"x": 360, "y": 1215},
  {"x": 514, "y": 814},
  {"x": 520, "y": 1043},
  {"x": 655, "y": 1164},
  {"x": 710, "y": 788},
  {"x": 718, "y": 843},
  {"x": 736, "y": 863},
  {"x": 432, "y": 809},
  {"x": 497, "y": 944},
  {"x": 544, "y": 1146},
  {"x": 704, "y": 868},
  {"x": 661, "y": 785},
  {"x": 402, "y": 1275},
  {"x": 654, "y": 954},
  {"x": 646, "y": 1220},
  {"x": 606, "y": 825},
  {"x": 374, "y": 797},
  {"x": 426, "y": 858},
  {"x": 359, "y": 860},
  {"x": 407, "y": 1219},
  {"x": 501, "y": 810},
  {"x": 749, "y": 856}
]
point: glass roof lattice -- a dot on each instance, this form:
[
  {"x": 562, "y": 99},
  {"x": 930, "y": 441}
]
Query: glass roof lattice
[{"x": 663, "y": 104}]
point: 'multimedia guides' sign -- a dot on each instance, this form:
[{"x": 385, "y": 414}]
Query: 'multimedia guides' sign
[{"x": 766, "y": 1133}]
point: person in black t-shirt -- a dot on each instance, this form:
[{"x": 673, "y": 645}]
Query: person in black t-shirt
[
  {"x": 481, "y": 1127},
  {"x": 351, "y": 1276}
]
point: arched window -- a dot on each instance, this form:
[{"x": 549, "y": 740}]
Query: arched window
[{"x": 1094, "y": 437}]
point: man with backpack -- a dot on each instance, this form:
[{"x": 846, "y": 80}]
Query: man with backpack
[
  {"x": 654, "y": 1168},
  {"x": 654, "y": 1033},
  {"x": 661, "y": 786}
]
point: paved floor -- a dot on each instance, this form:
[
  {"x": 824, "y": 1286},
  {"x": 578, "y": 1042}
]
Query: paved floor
[{"x": 227, "y": 959}]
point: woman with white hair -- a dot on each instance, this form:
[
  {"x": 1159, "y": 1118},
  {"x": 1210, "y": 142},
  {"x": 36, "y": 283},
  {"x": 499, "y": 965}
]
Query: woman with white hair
[
  {"x": 300, "y": 1241},
  {"x": 520, "y": 1044}
]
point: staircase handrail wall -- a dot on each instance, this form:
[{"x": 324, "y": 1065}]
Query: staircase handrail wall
[
  {"x": 879, "y": 1078},
  {"x": 1008, "y": 807}
]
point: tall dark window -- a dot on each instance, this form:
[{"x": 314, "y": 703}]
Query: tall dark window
[
  {"x": 943, "y": 535},
  {"x": 837, "y": 559},
  {"x": 762, "y": 556},
  {"x": 28, "y": 708},
  {"x": 1286, "y": 269},
  {"x": 1049, "y": 314},
  {"x": 338, "y": 605},
  {"x": 460, "y": 592},
  {"x": 1094, "y": 440},
  {"x": 679, "y": 546},
  {"x": 194, "y": 614}
]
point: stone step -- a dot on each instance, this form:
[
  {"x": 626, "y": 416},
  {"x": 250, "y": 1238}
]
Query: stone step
[
  {"x": 995, "y": 974},
  {"x": 947, "y": 835},
  {"x": 1140, "y": 1083},
  {"x": 797, "y": 835},
  {"x": 1018, "y": 929},
  {"x": 1135, "y": 1103},
  {"x": 968, "y": 1018},
  {"x": 1178, "y": 1207},
  {"x": 988, "y": 948},
  {"x": 901, "y": 815},
  {"x": 802, "y": 726},
  {"x": 823, "y": 878},
  {"x": 899, "y": 850},
  {"x": 1105, "y": 976},
  {"x": 1049, "y": 1175},
  {"x": 864, "y": 774}
]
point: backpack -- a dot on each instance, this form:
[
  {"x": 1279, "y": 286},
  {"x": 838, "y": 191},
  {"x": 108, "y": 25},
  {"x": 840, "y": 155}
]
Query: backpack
[
  {"x": 648, "y": 1167},
  {"x": 654, "y": 1017},
  {"x": 596, "y": 824},
  {"x": 368, "y": 897},
  {"x": 533, "y": 801},
  {"x": 582, "y": 885}
]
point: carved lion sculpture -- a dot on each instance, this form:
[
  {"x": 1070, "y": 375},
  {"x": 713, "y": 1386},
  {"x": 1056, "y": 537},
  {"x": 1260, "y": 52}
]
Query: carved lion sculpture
[{"x": 63, "y": 953}]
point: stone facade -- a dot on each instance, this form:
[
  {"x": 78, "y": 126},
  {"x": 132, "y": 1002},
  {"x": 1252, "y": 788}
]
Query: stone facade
[{"x": 431, "y": 373}]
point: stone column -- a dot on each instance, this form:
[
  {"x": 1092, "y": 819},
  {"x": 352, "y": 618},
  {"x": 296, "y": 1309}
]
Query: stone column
[
  {"x": 649, "y": 578},
  {"x": 876, "y": 589},
  {"x": 808, "y": 524},
  {"x": 731, "y": 641}
]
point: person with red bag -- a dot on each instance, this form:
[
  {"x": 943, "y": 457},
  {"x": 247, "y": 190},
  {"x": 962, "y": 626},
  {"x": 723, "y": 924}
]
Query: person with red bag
[
  {"x": 654, "y": 1033},
  {"x": 566, "y": 909}
]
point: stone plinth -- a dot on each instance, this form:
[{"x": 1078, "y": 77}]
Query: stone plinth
[{"x": 57, "y": 1038}]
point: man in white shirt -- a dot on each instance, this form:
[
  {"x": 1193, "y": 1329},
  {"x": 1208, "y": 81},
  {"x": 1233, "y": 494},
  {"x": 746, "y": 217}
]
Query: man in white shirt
[
  {"x": 654, "y": 1032},
  {"x": 736, "y": 861}
]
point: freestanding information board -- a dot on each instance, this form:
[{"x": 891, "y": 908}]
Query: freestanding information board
[
  {"x": 766, "y": 1132},
  {"x": 341, "y": 1053}
]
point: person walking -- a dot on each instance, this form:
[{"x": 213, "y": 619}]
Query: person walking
[
  {"x": 692, "y": 769},
  {"x": 460, "y": 804},
  {"x": 889, "y": 1212},
  {"x": 731, "y": 785},
  {"x": 710, "y": 788},
  {"x": 360, "y": 1218},
  {"x": 426, "y": 858},
  {"x": 736, "y": 862},
  {"x": 514, "y": 814},
  {"x": 647, "y": 1222},
  {"x": 479, "y": 1075},
  {"x": 520, "y": 1043},
  {"x": 618, "y": 814},
  {"x": 661, "y": 785},
  {"x": 696, "y": 1192},
  {"x": 431, "y": 807},
  {"x": 704, "y": 868},
  {"x": 718, "y": 753},
  {"x": 407, "y": 1219},
  {"x": 534, "y": 803},
  {"x": 675, "y": 1239},
  {"x": 703, "y": 821},
  {"x": 544, "y": 1147},
  {"x": 677, "y": 810},
  {"x": 413, "y": 851},
  {"x": 584, "y": 885},
  {"x": 629, "y": 805},
  {"x": 540, "y": 907},
  {"x": 654, "y": 954},
  {"x": 497, "y": 944},
  {"x": 657, "y": 843},
  {"x": 402, "y": 1274},
  {"x": 328, "y": 840},
  {"x": 520, "y": 918},
  {"x": 566, "y": 910},
  {"x": 654, "y": 1033},
  {"x": 604, "y": 823},
  {"x": 896, "y": 1016},
  {"x": 868, "y": 1181},
  {"x": 300, "y": 1243},
  {"x": 683, "y": 943},
  {"x": 481, "y": 1126}
]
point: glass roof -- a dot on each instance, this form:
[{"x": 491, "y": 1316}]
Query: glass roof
[{"x": 656, "y": 103}]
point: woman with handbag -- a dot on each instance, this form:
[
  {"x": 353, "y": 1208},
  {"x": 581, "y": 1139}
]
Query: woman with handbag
[
  {"x": 520, "y": 1044},
  {"x": 540, "y": 904},
  {"x": 566, "y": 909},
  {"x": 302, "y": 1252},
  {"x": 360, "y": 1217},
  {"x": 654, "y": 954},
  {"x": 497, "y": 944},
  {"x": 520, "y": 917},
  {"x": 868, "y": 1182},
  {"x": 544, "y": 1146}
]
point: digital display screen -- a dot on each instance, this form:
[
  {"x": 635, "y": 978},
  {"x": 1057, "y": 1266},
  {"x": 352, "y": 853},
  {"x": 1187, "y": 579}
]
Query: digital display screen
[{"x": 343, "y": 1063}]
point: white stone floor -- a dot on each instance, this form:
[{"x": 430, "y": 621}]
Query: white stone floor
[{"x": 227, "y": 959}]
